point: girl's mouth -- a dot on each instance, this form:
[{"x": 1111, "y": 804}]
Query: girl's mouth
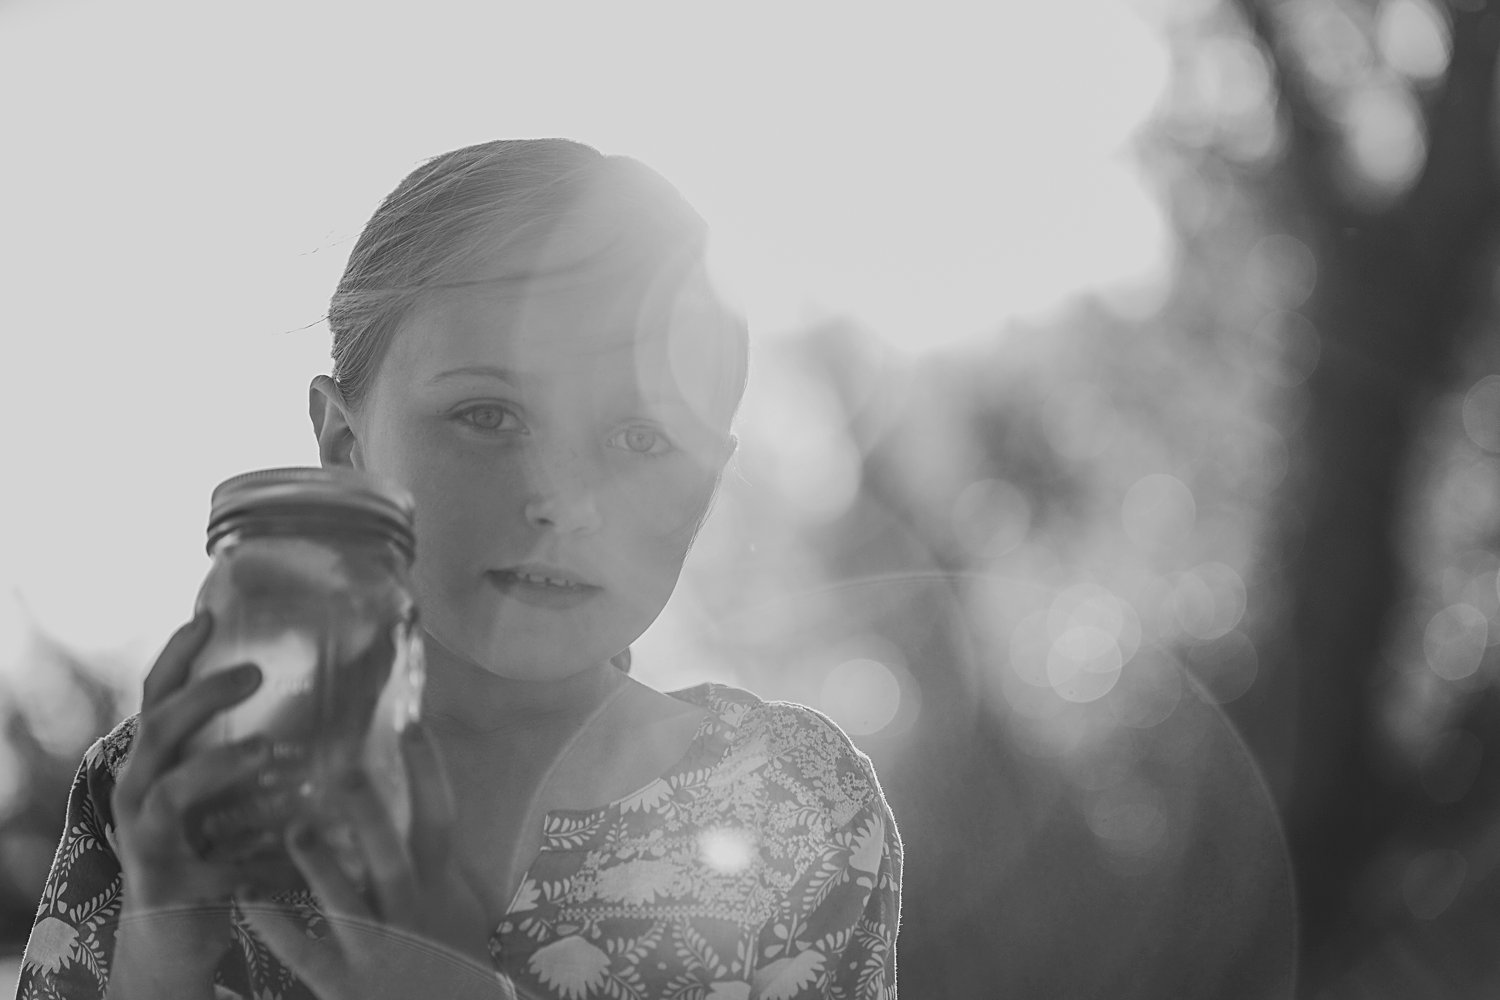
[{"x": 540, "y": 589}]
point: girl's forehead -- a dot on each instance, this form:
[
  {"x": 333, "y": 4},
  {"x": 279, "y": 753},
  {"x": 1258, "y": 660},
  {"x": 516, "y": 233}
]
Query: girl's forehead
[{"x": 662, "y": 339}]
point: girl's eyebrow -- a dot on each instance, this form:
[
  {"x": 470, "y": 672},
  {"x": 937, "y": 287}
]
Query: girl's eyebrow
[
  {"x": 650, "y": 400},
  {"x": 490, "y": 371}
]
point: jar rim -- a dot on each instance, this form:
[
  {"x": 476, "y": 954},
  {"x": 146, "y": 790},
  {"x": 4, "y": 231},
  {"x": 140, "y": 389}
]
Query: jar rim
[{"x": 310, "y": 487}]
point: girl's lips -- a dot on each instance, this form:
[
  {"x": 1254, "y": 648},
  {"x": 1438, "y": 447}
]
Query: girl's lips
[{"x": 529, "y": 589}]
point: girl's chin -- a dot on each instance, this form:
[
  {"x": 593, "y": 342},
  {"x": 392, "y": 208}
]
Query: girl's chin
[{"x": 518, "y": 657}]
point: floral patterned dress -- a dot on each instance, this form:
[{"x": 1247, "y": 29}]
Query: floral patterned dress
[{"x": 764, "y": 864}]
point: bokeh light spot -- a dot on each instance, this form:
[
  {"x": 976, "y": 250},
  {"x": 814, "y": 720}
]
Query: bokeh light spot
[
  {"x": 1413, "y": 38},
  {"x": 1091, "y": 605},
  {"x": 1286, "y": 348},
  {"x": 1481, "y": 413},
  {"x": 1454, "y": 641},
  {"x": 1128, "y": 819},
  {"x": 1208, "y": 600},
  {"x": 1432, "y": 881},
  {"x": 1331, "y": 44},
  {"x": 1148, "y": 691},
  {"x": 862, "y": 695},
  {"x": 1283, "y": 270},
  {"x": 1030, "y": 642},
  {"x": 1083, "y": 664},
  {"x": 1383, "y": 136},
  {"x": 1190, "y": 603},
  {"x": 1232, "y": 78},
  {"x": 1226, "y": 667}
]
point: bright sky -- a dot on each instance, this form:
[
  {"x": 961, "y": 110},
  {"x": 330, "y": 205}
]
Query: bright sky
[{"x": 182, "y": 182}]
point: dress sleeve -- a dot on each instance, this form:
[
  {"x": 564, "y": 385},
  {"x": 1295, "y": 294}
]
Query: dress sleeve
[
  {"x": 73, "y": 939},
  {"x": 837, "y": 939},
  {"x": 68, "y": 953},
  {"x": 834, "y": 936}
]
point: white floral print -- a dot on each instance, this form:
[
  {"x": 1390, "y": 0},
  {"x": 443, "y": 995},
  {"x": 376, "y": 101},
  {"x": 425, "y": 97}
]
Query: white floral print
[
  {"x": 637, "y": 882},
  {"x": 786, "y": 978},
  {"x": 570, "y": 966},
  {"x": 51, "y": 943},
  {"x": 765, "y": 863}
]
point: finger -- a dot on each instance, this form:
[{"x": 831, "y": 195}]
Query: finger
[
  {"x": 170, "y": 670},
  {"x": 198, "y": 779},
  {"x": 161, "y": 730},
  {"x": 433, "y": 810},
  {"x": 318, "y": 963},
  {"x": 393, "y": 880},
  {"x": 341, "y": 899}
]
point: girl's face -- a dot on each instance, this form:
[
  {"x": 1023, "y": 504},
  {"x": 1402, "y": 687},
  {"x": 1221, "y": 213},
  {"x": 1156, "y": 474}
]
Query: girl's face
[{"x": 558, "y": 434}]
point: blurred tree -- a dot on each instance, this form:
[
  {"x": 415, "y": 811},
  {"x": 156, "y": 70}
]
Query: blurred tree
[
  {"x": 1235, "y": 483},
  {"x": 1110, "y": 840},
  {"x": 1380, "y": 162}
]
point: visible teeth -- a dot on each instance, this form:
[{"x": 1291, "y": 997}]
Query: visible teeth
[{"x": 529, "y": 578}]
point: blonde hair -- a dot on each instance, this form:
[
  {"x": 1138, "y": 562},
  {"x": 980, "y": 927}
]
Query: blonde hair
[{"x": 481, "y": 201}]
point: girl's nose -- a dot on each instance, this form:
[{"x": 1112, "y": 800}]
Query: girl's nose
[{"x": 562, "y": 498}]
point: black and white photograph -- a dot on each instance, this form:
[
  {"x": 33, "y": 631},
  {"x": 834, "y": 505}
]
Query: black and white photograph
[{"x": 729, "y": 501}]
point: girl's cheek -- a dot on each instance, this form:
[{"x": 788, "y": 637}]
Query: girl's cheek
[{"x": 664, "y": 506}]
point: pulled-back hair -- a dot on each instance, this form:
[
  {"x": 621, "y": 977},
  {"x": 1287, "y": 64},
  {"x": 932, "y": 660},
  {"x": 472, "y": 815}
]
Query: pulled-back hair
[{"x": 477, "y": 202}]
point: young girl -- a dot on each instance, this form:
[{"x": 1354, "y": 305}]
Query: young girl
[{"x": 525, "y": 339}]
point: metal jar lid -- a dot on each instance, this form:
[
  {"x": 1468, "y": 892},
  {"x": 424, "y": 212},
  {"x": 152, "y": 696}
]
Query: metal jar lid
[{"x": 309, "y": 488}]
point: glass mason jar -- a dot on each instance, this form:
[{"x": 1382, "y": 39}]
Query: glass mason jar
[{"x": 310, "y": 581}]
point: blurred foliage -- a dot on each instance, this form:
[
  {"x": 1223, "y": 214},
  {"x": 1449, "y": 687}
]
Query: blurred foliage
[
  {"x": 1275, "y": 489},
  {"x": 49, "y": 714},
  {"x": 1160, "y": 607}
]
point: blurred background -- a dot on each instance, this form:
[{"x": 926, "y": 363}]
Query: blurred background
[{"x": 1121, "y": 463}]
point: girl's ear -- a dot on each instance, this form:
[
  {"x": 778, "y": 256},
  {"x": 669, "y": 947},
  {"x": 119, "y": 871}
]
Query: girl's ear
[{"x": 333, "y": 425}]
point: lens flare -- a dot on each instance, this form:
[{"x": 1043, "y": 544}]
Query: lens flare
[
  {"x": 1481, "y": 413},
  {"x": 862, "y": 695},
  {"x": 1226, "y": 666},
  {"x": 1413, "y": 39},
  {"x": 728, "y": 850},
  {"x": 1432, "y": 881},
  {"x": 1454, "y": 641},
  {"x": 1084, "y": 664}
]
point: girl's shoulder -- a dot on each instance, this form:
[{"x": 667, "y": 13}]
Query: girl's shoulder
[
  {"x": 108, "y": 753},
  {"x": 799, "y": 749}
]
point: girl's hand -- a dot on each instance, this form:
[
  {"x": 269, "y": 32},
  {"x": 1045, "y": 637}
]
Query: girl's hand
[
  {"x": 420, "y": 930},
  {"x": 175, "y": 906}
]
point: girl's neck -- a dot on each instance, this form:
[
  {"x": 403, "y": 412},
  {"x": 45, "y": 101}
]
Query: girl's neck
[{"x": 465, "y": 701}]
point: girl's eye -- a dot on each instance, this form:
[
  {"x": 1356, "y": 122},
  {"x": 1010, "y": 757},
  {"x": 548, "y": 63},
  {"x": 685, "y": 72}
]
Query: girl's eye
[
  {"x": 642, "y": 441},
  {"x": 488, "y": 417}
]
